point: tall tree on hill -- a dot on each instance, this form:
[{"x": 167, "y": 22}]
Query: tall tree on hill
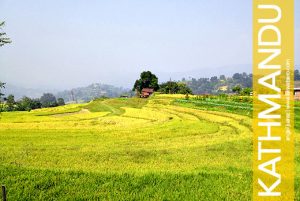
[
  {"x": 3, "y": 39},
  {"x": 147, "y": 80},
  {"x": 48, "y": 100},
  {"x": 10, "y": 102},
  {"x": 60, "y": 101}
]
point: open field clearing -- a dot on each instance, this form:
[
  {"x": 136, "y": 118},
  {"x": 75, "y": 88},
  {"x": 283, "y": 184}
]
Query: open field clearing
[{"x": 128, "y": 149}]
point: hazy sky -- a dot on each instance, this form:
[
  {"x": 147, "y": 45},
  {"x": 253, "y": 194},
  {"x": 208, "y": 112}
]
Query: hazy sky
[{"x": 69, "y": 43}]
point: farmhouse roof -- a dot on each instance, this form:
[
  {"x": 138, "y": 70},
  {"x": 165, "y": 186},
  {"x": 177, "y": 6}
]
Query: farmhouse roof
[{"x": 147, "y": 90}]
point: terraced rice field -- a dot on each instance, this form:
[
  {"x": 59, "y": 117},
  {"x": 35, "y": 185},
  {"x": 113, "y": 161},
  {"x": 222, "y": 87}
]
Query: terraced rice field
[{"x": 127, "y": 149}]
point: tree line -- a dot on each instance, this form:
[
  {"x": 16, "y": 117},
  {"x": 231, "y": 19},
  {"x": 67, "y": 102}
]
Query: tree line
[{"x": 27, "y": 104}]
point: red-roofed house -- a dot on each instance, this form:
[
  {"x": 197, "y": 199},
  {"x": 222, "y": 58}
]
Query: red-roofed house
[{"x": 146, "y": 92}]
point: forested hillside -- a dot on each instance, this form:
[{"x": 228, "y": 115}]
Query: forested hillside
[
  {"x": 221, "y": 84},
  {"x": 83, "y": 94}
]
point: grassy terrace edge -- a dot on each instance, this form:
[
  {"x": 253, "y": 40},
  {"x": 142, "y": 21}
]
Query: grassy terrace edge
[{"x": 240, "y": 108}]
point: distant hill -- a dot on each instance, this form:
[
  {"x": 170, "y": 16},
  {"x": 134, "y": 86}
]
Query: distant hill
[
  {"x": 80, "y": 94},
  {"x": 221, "y": 84},
  {"x": 84, "y": 94}
]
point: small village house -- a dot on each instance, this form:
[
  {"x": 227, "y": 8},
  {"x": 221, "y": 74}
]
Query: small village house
[{"x": 146, "y": 92}]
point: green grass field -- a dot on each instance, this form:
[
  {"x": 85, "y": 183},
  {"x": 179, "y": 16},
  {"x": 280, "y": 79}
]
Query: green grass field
[{"x": 128, "y": 149}]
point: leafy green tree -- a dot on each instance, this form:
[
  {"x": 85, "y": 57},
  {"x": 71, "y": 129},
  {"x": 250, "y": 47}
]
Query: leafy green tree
[
  {"x": 10, "y": 102},
  {"x": 28, "y": 104},
  {"x": 25, "y": 104},
  {"x": 237, "y": 76},
  {"x": 3, "y": 39},
  {"x": 222, "y": 77},
  {"x": 183, "y": 88},
  {"x": 237, "y": 89},
  {"x": 246, "y": 91},
  {"x": 169, "y": 87},
  {"x": 60, "y": 101},
  {"x": 214, "y": 79},
  {"x": 172, "y": 87},
  {"x": 147, "y": 80},
  {"x": 36, "y": 103},
  {"x": 48, "y": 100}
]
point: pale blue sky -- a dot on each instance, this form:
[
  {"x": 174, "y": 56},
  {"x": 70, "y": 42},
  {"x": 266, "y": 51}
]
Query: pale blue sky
[{"x": 68, "y": 43}]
